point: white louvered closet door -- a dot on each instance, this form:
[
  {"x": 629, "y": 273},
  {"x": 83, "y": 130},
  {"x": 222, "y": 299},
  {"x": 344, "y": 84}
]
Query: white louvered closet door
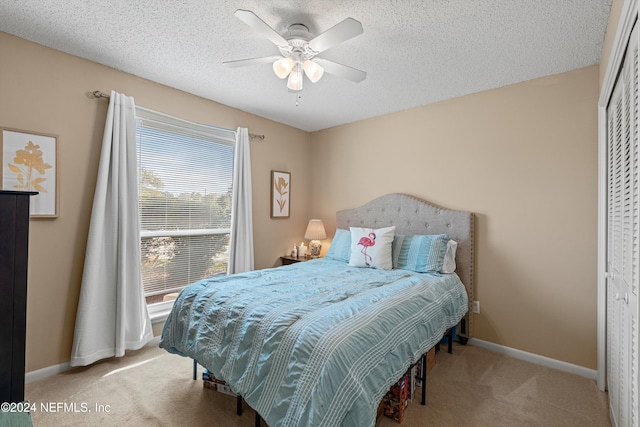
[{"x": 623, "y": 239}]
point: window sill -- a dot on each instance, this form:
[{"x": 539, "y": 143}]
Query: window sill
[{"x": 160, "y": 311}]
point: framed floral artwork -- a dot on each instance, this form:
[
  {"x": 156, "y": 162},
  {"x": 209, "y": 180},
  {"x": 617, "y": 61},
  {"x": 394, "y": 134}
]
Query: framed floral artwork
[
  {"x": 280, "y": 194},
  {"x": 30, "y": 163}
]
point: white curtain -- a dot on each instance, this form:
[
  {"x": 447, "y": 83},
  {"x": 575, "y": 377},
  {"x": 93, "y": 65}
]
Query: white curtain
[
  {"x": 241, "y": 245},
  {"x": 112, "y": 314}
]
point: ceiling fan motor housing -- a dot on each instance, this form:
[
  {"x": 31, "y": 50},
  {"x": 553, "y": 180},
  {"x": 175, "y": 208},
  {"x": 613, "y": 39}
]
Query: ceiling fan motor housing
[{"x": 298, "y": 36}]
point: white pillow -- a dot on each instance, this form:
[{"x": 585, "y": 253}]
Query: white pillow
[
  {"x": 371, "y": 247},
  {"x": 449, "y": 264}
]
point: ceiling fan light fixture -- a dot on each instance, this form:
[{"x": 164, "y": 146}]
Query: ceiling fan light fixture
[
  {"x": 295, "y": 78},
  {"x": 313, "y": 70},
  {"x": 283, "y": 66},
  {"x": 299, "y": 48}
]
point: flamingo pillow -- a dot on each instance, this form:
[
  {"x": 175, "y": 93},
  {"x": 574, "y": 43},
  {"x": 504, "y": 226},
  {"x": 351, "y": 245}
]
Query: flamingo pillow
[{"x": 371, "y": 247}]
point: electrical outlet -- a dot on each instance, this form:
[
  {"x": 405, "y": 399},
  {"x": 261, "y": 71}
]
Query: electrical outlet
[{"x": 476, "y": 307}]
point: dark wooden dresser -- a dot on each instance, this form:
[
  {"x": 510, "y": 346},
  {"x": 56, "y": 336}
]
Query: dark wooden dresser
[{"x": 14, "y": 243}]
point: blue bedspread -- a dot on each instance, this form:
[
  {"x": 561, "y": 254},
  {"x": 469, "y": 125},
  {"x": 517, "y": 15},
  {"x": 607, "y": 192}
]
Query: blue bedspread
[{"x": 317, "y": 343}]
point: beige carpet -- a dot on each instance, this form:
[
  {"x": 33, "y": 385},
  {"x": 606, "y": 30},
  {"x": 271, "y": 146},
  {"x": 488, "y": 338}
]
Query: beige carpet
[{"x": 471, "y": 387}]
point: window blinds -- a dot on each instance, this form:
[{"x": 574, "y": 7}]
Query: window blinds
[{"x": 185, "y": 174}]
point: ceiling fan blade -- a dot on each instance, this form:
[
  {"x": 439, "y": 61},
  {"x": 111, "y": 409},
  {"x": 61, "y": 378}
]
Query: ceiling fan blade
[
  {"x": 341, "y": 70},
  {"x": 341, "y": 32},
  {"x": 252, "y": 61},
  {"x": 252, "y": 20}
]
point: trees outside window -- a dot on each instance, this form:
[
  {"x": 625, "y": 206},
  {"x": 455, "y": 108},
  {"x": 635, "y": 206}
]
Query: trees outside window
[{"x": 185, "y": 174}]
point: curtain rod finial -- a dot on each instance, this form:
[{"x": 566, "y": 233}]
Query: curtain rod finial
[{"x": 97, "y": 94}]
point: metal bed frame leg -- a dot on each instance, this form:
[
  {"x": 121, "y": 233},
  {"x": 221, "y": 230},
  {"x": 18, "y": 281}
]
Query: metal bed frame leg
[
  {"x": 239, "y": 405},
  {"x": 449, "y": 334},
  {"x": 424, "y": 379},
  {"x": 238, "y": 398}
]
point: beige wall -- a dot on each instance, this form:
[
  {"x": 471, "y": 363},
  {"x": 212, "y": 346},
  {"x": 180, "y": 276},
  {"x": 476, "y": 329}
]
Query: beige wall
[
  {"x": 44, "y": 90},
  {"x": 524, "y": 159},
  {"x": 609, "y": 37}
]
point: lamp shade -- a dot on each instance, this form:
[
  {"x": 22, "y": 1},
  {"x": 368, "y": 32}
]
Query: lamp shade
[
  {"x": 315, "y": 230},
  {"x": 283, "y": 66},
  {"x": 312, "y": 70},
  {"x": 295, "y": 78}
]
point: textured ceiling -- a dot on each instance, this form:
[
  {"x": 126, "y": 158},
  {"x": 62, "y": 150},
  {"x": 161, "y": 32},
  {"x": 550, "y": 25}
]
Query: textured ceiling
[{"x": 414, "y": 52}]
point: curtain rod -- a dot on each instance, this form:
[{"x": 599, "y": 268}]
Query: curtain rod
[{"x": 98, "y": 94}]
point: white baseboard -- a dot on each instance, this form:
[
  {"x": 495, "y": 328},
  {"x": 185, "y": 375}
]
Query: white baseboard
[
  {"x": 49, "y": 371},
  {"x": 43, "y": 373},
  {"x": 512, "y": 352},
  {"x": 535, "y": 358}
]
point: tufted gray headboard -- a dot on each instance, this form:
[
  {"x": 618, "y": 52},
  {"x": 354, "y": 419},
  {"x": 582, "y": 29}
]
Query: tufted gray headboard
[{"x": 411, "y": 215}]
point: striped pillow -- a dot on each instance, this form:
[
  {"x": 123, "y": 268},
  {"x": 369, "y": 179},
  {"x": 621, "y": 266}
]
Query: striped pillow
[{"x": 420, "y": 253}]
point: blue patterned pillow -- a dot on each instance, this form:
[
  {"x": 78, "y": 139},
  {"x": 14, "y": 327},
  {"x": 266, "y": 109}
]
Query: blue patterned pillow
[
  {"x": 420, "y": 253},
  {"x": 340, "y": 248}
]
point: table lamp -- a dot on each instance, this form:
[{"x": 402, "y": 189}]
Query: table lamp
[{"x": 315, "y": 232}]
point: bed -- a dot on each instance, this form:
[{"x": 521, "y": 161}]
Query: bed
[{"x": 319, "y": 343}]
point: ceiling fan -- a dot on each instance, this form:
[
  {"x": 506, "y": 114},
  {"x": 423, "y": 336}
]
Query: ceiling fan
[{"x": 299, "y": 48}]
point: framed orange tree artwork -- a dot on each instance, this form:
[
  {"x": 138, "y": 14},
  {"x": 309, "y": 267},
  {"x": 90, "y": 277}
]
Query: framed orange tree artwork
[
  {"x": 280, "y": 194},
  {"x": 30, "y": 163}
]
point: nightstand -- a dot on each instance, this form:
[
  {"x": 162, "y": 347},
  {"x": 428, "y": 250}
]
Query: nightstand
[{"x": 286, "y": 260}]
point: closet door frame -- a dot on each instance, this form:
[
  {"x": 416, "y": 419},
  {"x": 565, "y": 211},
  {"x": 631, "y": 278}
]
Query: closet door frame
[{"x": 628, "y": 16}]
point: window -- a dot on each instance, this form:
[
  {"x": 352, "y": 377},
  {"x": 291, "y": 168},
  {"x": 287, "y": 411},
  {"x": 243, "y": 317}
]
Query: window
[{"x": 185, "y": 178}]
